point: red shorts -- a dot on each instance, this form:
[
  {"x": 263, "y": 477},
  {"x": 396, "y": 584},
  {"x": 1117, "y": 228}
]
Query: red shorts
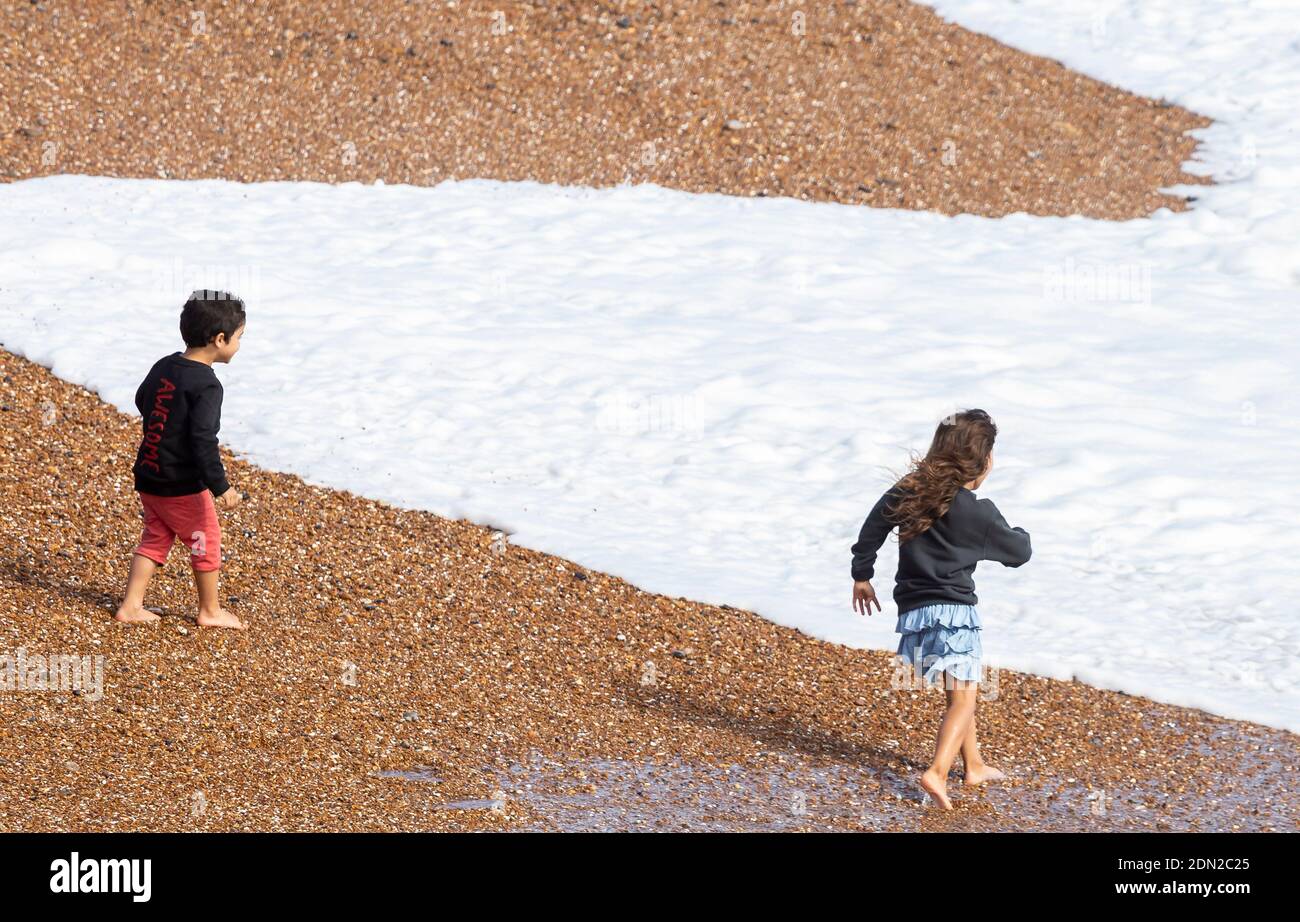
[{"x": 192, "y": 518}]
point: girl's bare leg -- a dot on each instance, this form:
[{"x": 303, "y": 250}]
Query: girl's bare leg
[
  {"x": 975, "y": 769},
  {"x": 132, "y": 609},
  {"x": 211, "y": 614},
  {"x": 952, "y": 733}
]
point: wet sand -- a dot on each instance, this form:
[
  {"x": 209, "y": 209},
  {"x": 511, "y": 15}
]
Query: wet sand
[{"x": 384, "y": 642}]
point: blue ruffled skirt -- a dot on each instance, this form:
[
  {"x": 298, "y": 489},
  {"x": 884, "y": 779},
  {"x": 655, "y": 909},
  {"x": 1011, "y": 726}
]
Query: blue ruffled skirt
[{"x": 941, "y": 638}]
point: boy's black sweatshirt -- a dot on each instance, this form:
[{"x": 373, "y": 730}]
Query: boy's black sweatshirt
[
  {"x": 180, "y": 400},
  {"x": 937, "y": 565}
]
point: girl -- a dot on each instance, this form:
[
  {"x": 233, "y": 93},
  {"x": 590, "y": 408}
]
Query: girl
[{"x": 943, "y": 532}]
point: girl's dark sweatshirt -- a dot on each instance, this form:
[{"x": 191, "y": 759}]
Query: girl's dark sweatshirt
[
  {"x": 180, "y": 400},
  {"x": 937, "y": 566}
]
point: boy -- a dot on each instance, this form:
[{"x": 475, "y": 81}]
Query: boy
[{"x": 178, "y": 462}]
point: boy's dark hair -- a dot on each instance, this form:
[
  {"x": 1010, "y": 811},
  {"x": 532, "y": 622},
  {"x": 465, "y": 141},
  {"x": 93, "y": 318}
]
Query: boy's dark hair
[{"x": 208, "y": 313}]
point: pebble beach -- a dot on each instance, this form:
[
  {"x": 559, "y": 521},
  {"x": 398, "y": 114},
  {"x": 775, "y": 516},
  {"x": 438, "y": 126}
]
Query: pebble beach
[{"x": 882, "y": 104}]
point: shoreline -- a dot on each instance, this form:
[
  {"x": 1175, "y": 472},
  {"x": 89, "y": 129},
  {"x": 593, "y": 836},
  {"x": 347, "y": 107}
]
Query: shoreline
[{"x": 390, "y": 640}]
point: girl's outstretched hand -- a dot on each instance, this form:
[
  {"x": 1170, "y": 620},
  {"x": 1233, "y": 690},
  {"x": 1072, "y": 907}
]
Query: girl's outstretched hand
[{"x": 864, "y": 596}]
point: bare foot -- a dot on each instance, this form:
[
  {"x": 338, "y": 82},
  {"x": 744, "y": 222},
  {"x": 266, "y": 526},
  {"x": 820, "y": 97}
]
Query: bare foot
[
  {"x": 219, "y": 618},
  {"x": 934, "y": 785},
  {"x": 980, "y": 774},
  {"x": 136, "y": 614}
]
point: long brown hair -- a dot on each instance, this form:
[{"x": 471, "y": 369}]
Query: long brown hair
[{"x": 958, "y": 454}]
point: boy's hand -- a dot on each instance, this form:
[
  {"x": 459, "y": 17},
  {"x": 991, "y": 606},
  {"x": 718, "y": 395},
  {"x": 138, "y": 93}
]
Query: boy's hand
[
  {"x": 863, "y": 596},
  {"x": 230, "y": 499}
]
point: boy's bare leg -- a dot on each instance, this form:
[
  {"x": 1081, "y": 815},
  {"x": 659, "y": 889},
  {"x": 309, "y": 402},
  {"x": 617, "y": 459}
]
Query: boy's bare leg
[
  {"x": 211, "y": 614},
  {"x": 132, "y": 610}
]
